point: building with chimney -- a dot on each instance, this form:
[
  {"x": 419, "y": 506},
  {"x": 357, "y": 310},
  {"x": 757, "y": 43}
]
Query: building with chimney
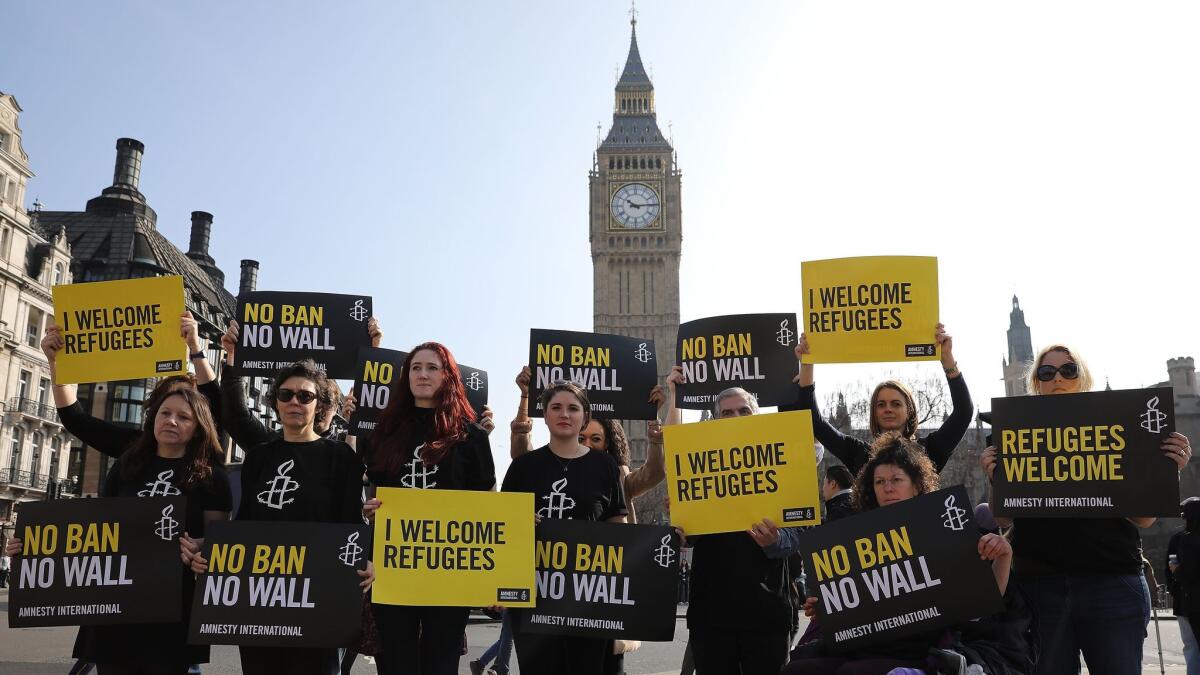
[
  {"x": 34, "y": 447},
  {"x": 115, "y": 236}
]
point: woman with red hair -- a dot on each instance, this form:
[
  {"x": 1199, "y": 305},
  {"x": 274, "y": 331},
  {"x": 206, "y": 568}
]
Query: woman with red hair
[{"x": 426, "y": 439}]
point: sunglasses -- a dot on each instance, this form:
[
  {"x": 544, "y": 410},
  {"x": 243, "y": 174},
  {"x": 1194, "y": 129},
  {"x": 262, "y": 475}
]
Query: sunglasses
[
  {"x": 304, "y": 396},
  {"x": 1069, "y": 371}
]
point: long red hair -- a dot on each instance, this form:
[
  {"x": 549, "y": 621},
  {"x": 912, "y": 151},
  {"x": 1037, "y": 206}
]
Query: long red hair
[{"x": 451, "y": 414}]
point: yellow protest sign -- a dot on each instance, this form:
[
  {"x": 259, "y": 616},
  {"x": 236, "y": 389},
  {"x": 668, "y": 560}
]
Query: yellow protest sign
[
  {"x": 859, "y": 310},
  {"x": 120, "y": 330},
  {"x": 454, "y": 548},
  {"x": 726, "y": 475}
]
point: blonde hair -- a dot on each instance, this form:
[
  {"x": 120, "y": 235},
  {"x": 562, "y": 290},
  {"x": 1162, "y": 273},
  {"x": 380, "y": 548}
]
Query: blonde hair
[{"x": 1085, "y": 375}]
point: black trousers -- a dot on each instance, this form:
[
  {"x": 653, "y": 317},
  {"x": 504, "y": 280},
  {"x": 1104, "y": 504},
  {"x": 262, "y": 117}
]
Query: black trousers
[
  {"x": 289, "y": 661},
  {"x": 728, "y": 652},
  {"x": 560, "y": 654},
  {"x": 419, "y": 640}
]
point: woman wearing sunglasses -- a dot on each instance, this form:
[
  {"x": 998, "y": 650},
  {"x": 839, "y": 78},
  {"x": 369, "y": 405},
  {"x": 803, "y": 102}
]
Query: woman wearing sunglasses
[
  {"x": 299, "y": 477},
  {"x": 892, "y": 409},
  {"x": 426, "y": 439},
  {"x": 1083, "y": 576}
]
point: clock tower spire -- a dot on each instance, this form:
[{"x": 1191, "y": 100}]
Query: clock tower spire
[{"x": 636, "y": 227}]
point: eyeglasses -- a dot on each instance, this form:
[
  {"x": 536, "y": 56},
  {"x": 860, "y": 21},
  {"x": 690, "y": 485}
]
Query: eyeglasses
[
  {"x": 304, "y": 396},
  {"x": 1069, "y": 371}
]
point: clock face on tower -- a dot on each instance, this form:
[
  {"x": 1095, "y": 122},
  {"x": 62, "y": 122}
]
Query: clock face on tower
[{"x": 635, "y": 205}]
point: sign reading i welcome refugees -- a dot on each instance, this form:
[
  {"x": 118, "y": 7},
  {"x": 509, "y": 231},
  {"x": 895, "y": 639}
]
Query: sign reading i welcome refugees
[
  {"x": 882, "y": 308},
  {"x": 1087, "y": 455},
  {"x": 726, "y": 475},
  {"x": 120, "y": 330},
  {"x": 97, "y": 561},
  {"x": 751, "y": 351}
]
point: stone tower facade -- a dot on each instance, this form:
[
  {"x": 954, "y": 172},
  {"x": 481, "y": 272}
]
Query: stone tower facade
[
  {"x": 635, "y": 227},
  {"x": 1020, "y": 352}
]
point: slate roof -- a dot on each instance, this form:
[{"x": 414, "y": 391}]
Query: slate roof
[
  {"x": 634, "y": 131},
  {"x": 634, "y": 76}
]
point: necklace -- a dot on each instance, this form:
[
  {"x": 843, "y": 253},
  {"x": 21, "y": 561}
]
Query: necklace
[{"x": 564, "y": 464}]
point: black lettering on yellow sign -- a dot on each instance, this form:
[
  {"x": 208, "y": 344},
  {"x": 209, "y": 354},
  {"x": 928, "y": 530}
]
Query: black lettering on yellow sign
[
  {"x": 110, "y": 329},
  {"x": 733, "y": 472},
  {"x": 443, "y": 545},
  {"x": 856, "y": 308}
]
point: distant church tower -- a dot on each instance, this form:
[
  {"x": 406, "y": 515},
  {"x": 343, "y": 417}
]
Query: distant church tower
[
  {"x": 635, "y": 227},
  {"x": 1020, "y": 352}
]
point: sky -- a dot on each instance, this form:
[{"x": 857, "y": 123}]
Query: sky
[{"x": 435, "y": 156}]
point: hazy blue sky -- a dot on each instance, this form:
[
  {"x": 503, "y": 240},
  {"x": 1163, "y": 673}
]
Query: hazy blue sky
[{"x": 435, "y": 155}]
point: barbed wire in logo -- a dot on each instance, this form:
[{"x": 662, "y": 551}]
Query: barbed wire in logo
[
  {"x": 664, "y": 555},
  {"x": 419, "y": 474},
  {"x": 474, "y": 382},
  {"x": 642, "y": 354},
  {"x": 279, "y": 486},
  {"x": 557, "y": 502},
  {"x": 358, "y": 312},
  {"x": 161, "y": 487},
  {"x": 1153, "y": 419},
  {"x": 785, "y": 335},
  {"x": 954, "y": 517},
  {"x": 351, "y": 552},
  {"x": 168, "y": 527}
]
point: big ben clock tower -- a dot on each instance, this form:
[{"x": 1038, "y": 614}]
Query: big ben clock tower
[{"x": 636, "y": 229}]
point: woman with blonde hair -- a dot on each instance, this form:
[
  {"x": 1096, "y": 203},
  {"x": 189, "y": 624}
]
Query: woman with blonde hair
[{"x": 1083, "y": 576}]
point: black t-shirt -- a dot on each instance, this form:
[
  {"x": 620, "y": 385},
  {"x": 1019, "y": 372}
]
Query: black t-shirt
[
  {"x": 163, "y": 477},
  {"x": 583, "y": 488},
  {"x": 734, "y": 585},
  {"x": 317, "y": 481},
  {"x": 467, "y": 465},
  {"x": 1076, "y": 546}
]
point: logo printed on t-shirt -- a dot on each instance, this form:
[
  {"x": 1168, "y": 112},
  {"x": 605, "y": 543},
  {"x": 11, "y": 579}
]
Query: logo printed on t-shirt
[
  {"x": 161, "y": 487},
  {"x": 279, "y": 486},
  {"x": 558, "y": 501},
  {"x": 419, "y": 474}
]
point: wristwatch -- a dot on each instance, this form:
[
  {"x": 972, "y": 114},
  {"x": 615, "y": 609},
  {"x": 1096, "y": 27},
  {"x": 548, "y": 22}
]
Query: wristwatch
[{"x": 197, "y": 355}]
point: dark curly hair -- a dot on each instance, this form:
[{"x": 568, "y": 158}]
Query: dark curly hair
[
  {"x": 202, "y": 452},
  {"x": 308, "y": 370},
  {"x": 894, "y": 449},
  {"x": 616, "y": 444}
]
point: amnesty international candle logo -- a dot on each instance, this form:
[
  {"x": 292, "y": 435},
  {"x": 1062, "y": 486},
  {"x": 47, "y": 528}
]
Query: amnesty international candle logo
[
  {"x": 954, "y": 517},
  {"x": 97, "y": 561},
  {"x": 168, "y": 527},
  {"x": 161, "y": 487},
  {"x": 785, "y": 336},
  {"x": 279, "y": 486},
  {"x": 664, "y": 555},
  {"x": 558, "y": 504},
  {"x": 1153, "y": 418},
  {"x": 453, "y": 548},
  {"x": 642, "y": 354},
  {"x": 419, "y": 475},
  {"x": 351, "y": 553},
  {"x": 358, "y": 312},
  {"x": 473, "y": 381}
]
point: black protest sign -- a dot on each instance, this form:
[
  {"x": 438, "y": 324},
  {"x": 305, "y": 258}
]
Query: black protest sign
[
  {"x": 753, "y": 351},
  {"x": 475, "y": 382},
  {"x": 280, "y": 328},
  {"x": 605, "y": 580},
  {"x": 280, "y": 584},
  {"x": 97, "y": 561},
  {"x": 617, "y": 372},
  {"x": 1088, "y": 455},
  {"x": 899, "y": 570},
  {"x": 379, "y": 373}
]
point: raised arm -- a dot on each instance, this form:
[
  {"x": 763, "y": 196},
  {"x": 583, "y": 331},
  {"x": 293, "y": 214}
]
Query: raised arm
[
  {"x": 654, "y": 470},
  {"x": 940, "y": 444},
  {"x": 245, "y": 429},
  {"x": 196, "y": 346},
  {"x": 674, "y": 415},
  {"x": 521, "y": 428},
  {"x": 853, "y": 452},
  {"x": 106, "y": 437}
]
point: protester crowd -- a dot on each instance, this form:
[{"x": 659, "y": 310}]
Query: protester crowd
[{"x": 1072, "y": 588}]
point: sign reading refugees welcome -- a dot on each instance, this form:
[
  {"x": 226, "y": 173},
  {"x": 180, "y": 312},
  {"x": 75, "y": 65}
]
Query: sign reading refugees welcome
[
  {"x": 453, "y": 548},
  {"x": 1088, "y": 455},
  {"x": 279, "y": 328},
  {"x": 120, "y": 330},
  {"x": 882, "y": 308},
  {"x": 280, "y": 584},
  {"x": 753, "y": 351},
  {"x": 725, "y": 475},
  {"x": 617, "y": 372},
  {"x": 607, "y": 580},
  {"x": 899, "y": 570},
  {"x": 97, "y": 561}
]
